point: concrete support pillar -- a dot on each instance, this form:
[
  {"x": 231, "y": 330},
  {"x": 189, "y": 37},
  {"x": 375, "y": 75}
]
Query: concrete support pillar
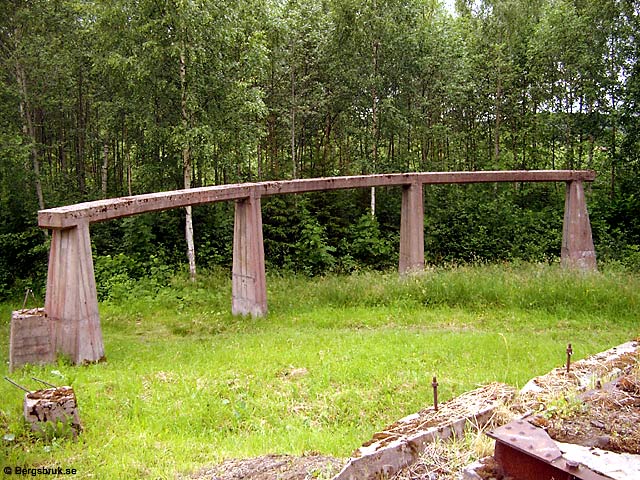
[
  {"x": 249, "y": 284},
  {"x": 71, "y": 300},
  {"x": 577, "y": 242},
  {"x": 412, "y": 229}
]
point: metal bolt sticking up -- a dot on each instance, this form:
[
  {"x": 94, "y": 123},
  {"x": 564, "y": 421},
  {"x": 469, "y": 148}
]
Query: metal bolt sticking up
[
  {"x": 434, "y": 384},
  {"x": 16, "y": 385},
  {"x": 569, "y": 353}
]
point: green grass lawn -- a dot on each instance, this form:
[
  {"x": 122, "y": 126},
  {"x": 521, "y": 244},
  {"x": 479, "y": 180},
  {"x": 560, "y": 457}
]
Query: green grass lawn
[{"x": 186, "y": 384}]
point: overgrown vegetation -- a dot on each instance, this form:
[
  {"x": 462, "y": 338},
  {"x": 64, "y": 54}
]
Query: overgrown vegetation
[
  {"x": 104, "y": 99},
  {"x": 186, "y": 384}
]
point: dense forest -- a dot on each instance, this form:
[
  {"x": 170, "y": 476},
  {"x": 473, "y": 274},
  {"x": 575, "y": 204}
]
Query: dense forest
[{"x": 104, "y": 99}]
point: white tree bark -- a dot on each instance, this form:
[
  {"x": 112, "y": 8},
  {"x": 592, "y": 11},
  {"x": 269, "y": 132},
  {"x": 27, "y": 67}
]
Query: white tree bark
[
  {"x": 186, "y": 161},
  {"x": 29, "y": 130},
  {"x": 105, "y": 168}
]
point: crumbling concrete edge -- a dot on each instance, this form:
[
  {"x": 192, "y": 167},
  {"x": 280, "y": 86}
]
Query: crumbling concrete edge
[
  {"x": 587, "y": 379},
  {"x": 388, "y": 460},
  {"x": 584, "y": 382},
  {"x": 470, "y": 471},
  {"x": 383, "y": 462}
]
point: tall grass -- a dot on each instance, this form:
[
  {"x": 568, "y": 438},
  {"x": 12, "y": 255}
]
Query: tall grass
[
  {"x": 187, "y": 384},
  {"x": 525, "y": 286}
]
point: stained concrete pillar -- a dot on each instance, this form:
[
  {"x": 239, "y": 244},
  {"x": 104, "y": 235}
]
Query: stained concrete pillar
[
  {"x": 577, "y": 243},
  {"x": 71, "y": 300},
  {"x": 249, "y": 285},
  {"x": 411, "y": 229}
]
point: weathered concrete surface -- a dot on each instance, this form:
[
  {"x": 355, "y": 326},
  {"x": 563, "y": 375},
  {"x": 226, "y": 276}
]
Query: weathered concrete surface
[
  {"x": 617, "y": 466},
  {"x": 604, "y": 367},
  {"x": 401, "y": 444},
  {"x": 412, "y": 229},
  {"x": 50, "y": 406},
  {"x": 577, "y": 243},
  {"x": 249, "y": 284},
  {"x": 101, "y": 210},
  {"x": 71, "y": 300},
  {"x": 31, "y": 338}
]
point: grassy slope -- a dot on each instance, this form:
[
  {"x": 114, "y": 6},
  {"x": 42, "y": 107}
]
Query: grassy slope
[{"x": 187, "y": 384}]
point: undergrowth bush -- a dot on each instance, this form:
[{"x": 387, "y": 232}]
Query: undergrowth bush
[
  {"x": 121, "y": 276},
  {"x": 23, "y": 262},
  {"x": 314, "y": 255},
  {"x": 367, "y": 245}
]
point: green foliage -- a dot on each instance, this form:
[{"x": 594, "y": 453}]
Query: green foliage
[
  {"x": 564, "y": 408},
  {"x": 631, "y": 258},
  {"x": 280, "y": 221},
  {"x": 138, "y": 236},
  {"x": 491, "y": 223},
  {"x": 313, "y": 254},
  {"x": 23, "y": 262},
  {"x": 368, "y": 247},
  {"x": 116, "y": 98},
  {"x": 214, "y": 235},
  {"x": 113, "y": 275},
  {"x": 16, "y": 196},
  {"x": 120, "y": 277},
  {"x": 56, "y": 433}
]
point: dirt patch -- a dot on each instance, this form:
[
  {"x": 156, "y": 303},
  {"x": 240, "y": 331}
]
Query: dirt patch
[
  {"x": 270, "y": 467},
  {"x": 490, "y": 470}
]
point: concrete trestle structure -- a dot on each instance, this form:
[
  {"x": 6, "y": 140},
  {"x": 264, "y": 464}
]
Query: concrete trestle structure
[{"x": 71, "y": 299}]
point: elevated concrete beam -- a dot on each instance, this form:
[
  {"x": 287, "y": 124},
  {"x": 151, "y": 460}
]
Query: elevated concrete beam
[
  {"x": 101, "y": 210},
  {"x": 111, "y": 208},
  {"x": 71, "y": 298}
]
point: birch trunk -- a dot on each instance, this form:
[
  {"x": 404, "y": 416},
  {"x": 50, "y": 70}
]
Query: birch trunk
[
  {"x": 293, "y": 124},
  {"x": 105, "y": 168},
  {"x": 374, "y": 120},
  {"x": 29, "y": 130},
  {"x": 186, "y": 161},
  {"x": 496, "y": 131}
]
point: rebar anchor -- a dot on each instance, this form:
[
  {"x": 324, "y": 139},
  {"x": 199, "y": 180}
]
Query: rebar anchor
[
  {"x": 435, "y": 384},
  {"x": 569, "y": 353}
]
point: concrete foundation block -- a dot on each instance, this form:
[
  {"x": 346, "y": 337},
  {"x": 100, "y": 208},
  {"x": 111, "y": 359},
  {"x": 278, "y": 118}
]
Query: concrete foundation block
[{"x": 31, "y": 338}]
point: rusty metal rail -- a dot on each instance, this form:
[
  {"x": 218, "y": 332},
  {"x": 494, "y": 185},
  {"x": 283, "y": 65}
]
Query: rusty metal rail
[{"x": 526, "y": 452}]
